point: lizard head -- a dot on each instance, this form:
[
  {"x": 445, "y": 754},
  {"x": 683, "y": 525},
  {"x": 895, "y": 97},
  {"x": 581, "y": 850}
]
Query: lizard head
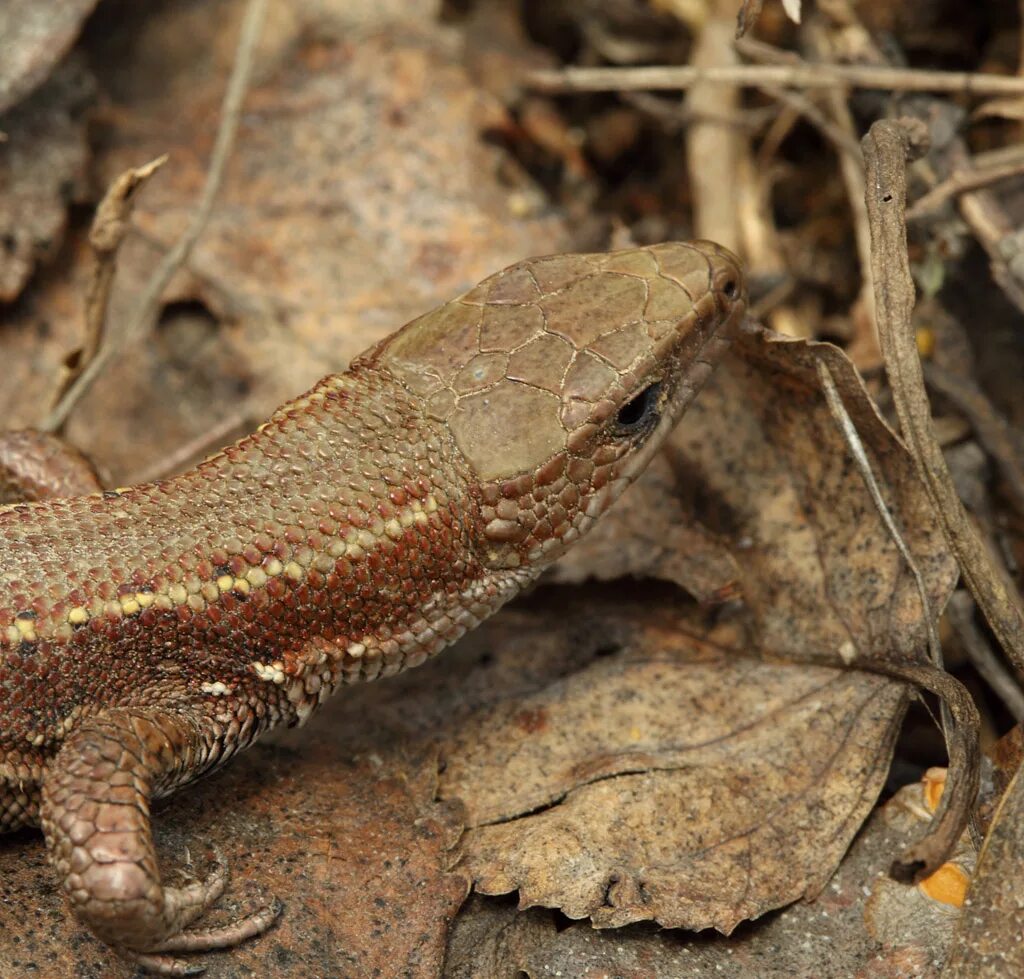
[{"x": 558, "y": 379}]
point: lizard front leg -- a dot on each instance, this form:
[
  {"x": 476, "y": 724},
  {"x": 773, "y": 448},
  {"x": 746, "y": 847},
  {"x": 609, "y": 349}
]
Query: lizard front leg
[
  {"x": 38, "y": 466},
  {"x": 95, "y": 815}
]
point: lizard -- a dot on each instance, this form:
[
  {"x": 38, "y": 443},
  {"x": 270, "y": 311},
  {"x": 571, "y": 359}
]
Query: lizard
[{"x": 148, "y": 634}]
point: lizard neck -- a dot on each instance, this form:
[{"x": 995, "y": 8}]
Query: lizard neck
[{"x": 338, "y": 543}]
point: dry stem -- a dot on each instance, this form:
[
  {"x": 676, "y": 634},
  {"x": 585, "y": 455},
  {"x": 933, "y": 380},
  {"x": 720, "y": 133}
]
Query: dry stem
[{"x": 148, "y": 305}]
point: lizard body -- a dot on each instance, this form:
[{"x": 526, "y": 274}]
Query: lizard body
[{"x": 148, "y": 634}]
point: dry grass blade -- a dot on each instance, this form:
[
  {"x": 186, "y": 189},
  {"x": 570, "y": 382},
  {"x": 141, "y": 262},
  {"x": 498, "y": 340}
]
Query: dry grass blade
[
  {"x": 109, "y": 228},
  {"x": 959, "y": 717},
  {"x": 178, "y": 255},
  {"x": 885, "y": 152}
]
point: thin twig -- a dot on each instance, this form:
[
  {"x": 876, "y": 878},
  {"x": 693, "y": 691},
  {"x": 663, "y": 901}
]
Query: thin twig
[
  {"x": 712, "y": 149},
  {"x": 885, "y": 151},
  {"x": 999, "y": 439},
  {"x": 148, "y": 305},
  {"x": 960, "y": 182},
  {"x": 840, "y": 139},
  {"x": 960, "y": 611},
  {"x": 676, "y": 77}
]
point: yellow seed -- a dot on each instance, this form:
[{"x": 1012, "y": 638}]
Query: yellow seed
[
  {"x": 924, "y": 337},
  {"x": 948, "y": 884},
  {"x": 934, "y": 782}
]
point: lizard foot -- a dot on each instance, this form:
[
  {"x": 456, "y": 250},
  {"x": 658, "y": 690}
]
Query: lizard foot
[
  {"x": 95, "y": 816},
  {"x": 162, "y": 960}
]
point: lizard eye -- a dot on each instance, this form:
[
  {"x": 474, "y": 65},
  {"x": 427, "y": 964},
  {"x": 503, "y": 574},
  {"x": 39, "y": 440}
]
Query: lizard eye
[{"x": 640, "y": 412}]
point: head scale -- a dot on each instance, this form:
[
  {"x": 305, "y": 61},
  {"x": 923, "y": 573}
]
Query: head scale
[{"x": 560, "y": 377}]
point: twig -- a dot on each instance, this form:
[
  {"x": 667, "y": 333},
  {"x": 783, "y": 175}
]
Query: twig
[
  {"x": 993, "y": 431},
  {"x": 110, "y": 226},
  {"x": 148, "y": 304},
  {"x": 712, "y": 149},
  {"x": 836, "y": 135},
  {"x": 885, "y": 151},
  {"x": 960, "y": 182},
  {"x": 675, "y": 77},
  {"x": 960, "y": 611}
]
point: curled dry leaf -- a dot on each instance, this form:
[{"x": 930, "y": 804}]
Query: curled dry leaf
[
  {"x": 762, "y": 472},
  {"x": 825, "y": 937},
  {"x": 42, "y": 168},
  {"x": 669, "y": 780}
]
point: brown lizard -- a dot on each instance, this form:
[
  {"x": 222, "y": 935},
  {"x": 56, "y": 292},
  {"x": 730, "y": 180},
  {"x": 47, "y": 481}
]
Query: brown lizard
[{"x": 148, "y": 634}]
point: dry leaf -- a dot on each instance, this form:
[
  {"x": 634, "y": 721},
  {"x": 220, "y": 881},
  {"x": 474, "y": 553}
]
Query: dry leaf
[
  {"x": 824, "y": 938},
  {"x": 761, "y": 470},
  {"x": 652, "y": 533},
  {"x": 668, "y": 780}
]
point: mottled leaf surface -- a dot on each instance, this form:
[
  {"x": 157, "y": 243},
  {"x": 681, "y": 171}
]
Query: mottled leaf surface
[
  {"x": 357, "y": 852},
  {"x": 761, "y": 471},
  {"x": 825, "y": 937},
  {"x": 669, "y": 780}
]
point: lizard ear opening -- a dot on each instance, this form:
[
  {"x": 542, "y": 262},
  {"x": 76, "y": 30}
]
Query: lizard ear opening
[{"x": 639, "y": 413}]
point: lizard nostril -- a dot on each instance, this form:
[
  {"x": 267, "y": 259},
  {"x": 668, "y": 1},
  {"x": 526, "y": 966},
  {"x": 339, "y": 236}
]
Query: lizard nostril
[{"x": 731, "y": 289}]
